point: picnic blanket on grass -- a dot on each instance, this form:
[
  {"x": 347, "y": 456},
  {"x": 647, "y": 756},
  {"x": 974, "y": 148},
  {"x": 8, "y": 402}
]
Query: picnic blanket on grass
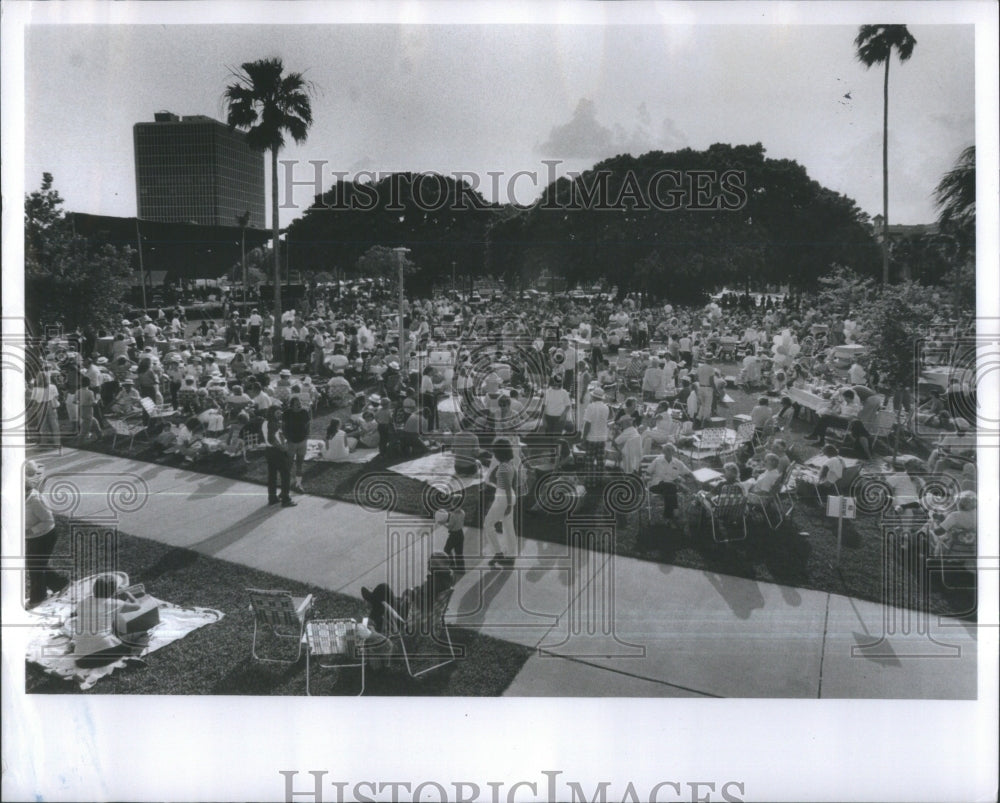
[
  {"x": 315, "y": 446},
  {"x": 433, "y": 467},
  {"x": 51, "y": 647}
]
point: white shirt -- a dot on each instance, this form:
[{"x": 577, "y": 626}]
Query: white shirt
[
  {"x": 556, "y": 401},
  {"x": 596, "y": 415},
  {"x": 662, "y": 471},
  {"x": 630, "y": 444}
]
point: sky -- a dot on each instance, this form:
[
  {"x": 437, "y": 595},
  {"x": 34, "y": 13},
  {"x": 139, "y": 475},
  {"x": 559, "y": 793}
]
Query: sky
[{"x": 506, "y": 98}]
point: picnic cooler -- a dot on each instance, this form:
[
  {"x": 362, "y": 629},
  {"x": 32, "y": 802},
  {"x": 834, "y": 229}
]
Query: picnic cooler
[{"x": 146, "y": 618}]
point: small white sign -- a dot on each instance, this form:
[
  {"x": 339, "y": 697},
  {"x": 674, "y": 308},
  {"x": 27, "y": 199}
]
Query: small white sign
[{"x": 841, "y": 507}]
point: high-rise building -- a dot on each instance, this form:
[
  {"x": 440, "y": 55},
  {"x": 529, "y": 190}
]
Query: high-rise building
[{"x": 195, "y": 170}]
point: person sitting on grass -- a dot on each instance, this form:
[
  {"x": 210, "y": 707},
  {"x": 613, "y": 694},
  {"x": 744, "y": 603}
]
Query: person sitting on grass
[
  {"x": 337, "y": 445},
  {"x": 860, "y": 438},
  {"x": 98, "y": 638},
  {"x": 189, "y": 441},
  {"x": 367, "y": 431},
  {"x": 234, "y": 438},
  {"x": 410, "y": 442}
]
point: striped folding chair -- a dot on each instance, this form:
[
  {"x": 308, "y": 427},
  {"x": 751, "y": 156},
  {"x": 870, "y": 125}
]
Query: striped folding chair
[{"x": 283, "y": 614}]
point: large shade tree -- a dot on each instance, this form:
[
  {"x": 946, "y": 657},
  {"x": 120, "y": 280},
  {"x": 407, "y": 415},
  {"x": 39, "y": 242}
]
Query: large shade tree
[
  {"x": 875, "y": 44},
  {"x": 269, "y": 104},
  {"x": 69, "y": 280}
]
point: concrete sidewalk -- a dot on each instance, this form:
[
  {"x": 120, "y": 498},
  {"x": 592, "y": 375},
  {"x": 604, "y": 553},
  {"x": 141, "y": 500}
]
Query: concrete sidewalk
[{"x": 600, "y": 624}]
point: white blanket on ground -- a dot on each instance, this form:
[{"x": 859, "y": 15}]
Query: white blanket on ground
[
  {"x": 315, "y": 447},
  {"x": 51, "y": 647},
  {"x": 433, "y": 468}
]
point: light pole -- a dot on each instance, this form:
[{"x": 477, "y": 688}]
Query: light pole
[
  {"x": 243, "y": 220},
  {"x": 453, "y": 276},
  {"x": 401, "y": 259}
]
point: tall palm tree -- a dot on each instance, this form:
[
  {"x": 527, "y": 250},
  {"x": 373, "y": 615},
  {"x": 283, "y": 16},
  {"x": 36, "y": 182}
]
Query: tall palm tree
[
  {"x": 268, "y": 103},
  {"x": 875, "y": 44}
]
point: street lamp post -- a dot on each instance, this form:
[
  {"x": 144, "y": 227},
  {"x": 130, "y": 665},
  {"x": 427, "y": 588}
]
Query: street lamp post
[
  {"x": 400, "y": 259},
  {"x": 453, "y": 276},
  {"x": 242, "y": 221}
]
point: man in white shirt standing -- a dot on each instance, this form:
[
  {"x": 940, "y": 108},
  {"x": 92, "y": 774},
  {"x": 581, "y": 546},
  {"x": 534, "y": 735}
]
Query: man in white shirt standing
[
  {"x": 556, "y": 405},
  {"x": 254, "y": 324},
  {"x": 595, "y": 434},
  {"x": 289, "y": 343}
]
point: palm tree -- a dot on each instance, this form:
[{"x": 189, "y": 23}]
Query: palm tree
[
  {"x": 956, "y": 199},
  {"x": 875, "y": 44},
  {"x": 268, "y": 103}
]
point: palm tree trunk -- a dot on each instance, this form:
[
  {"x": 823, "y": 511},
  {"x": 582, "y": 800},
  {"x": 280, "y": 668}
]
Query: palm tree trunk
[
  {"x": 885, "y": 173},
  {"x": 275, "y": 234}
]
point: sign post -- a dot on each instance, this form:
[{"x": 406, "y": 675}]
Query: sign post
[{"x": 841, "y": 507}]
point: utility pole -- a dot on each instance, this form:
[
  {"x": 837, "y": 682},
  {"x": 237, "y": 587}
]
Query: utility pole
[
  {"x": 142, "y": 270},
  {"x": 401, "y": 259}
]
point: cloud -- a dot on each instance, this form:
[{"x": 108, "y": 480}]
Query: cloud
[{"x": 585, "y": 137}]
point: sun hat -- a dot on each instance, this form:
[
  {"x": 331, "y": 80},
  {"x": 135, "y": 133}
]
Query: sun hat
[
  {"x": 102, "y": 360},
  {"x": 597, "y": 393}
]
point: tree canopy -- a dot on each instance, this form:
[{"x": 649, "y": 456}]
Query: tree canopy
[
  {"x": 440, "y": 219},
  {"x": 780, "y": 227},
  {"x": 69, "y": 279}
]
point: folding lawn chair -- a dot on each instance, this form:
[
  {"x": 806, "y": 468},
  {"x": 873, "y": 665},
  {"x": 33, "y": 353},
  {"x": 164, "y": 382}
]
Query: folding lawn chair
[
  {"x": 727, "y": 512},
  {"x": 127, "y": 427},
  {"x": 284, "y": 614},
  {"x": 955, "y": 553},
  {"x": 426, "y": 632}
]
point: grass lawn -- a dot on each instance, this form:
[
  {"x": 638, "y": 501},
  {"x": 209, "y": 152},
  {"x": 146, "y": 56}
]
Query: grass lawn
[
  {"x": 216, "y": 659},
  {"x": 802, "y": 553}
]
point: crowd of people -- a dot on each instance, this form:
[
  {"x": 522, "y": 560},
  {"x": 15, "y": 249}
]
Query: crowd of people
[{"x": 605, "y": 381}]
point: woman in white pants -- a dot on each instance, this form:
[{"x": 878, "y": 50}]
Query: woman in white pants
[{"x": 502, "y": 509}]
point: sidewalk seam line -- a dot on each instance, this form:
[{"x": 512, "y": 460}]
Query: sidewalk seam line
[
  {"x": 627, "y": 674},
  {"x": 822, "y": 651}
]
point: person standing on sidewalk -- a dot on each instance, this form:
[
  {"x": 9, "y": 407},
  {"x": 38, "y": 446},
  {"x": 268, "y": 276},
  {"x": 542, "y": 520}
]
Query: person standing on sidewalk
[
  {"x": 296, "y": 421},
  {"x": 40, "y": 535},
  {"x": 45, "y": 404},
  {"x": 502, "y": 510},
  {"x": 278, "y": 460}
]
